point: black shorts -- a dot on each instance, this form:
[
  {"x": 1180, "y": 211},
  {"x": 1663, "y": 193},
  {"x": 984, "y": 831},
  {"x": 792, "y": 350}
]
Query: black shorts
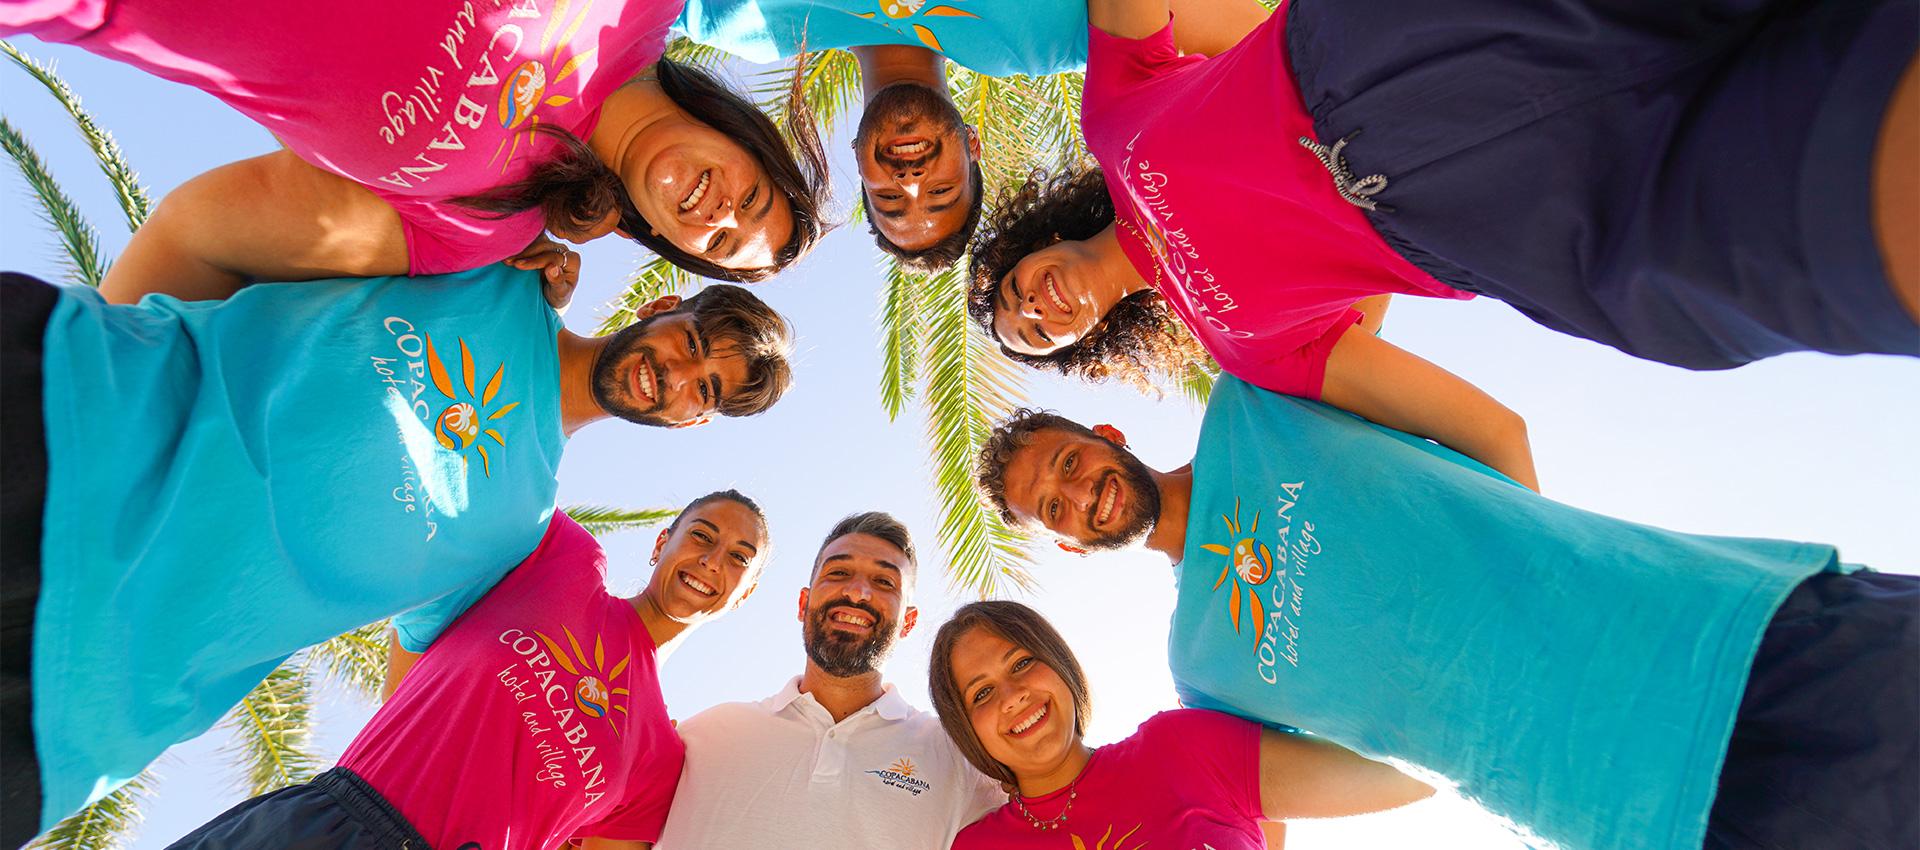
[
  {"x": 1826, "y": 747},
  {"x": 25, "y": 305},
  {"x": 336, "y": 811}
]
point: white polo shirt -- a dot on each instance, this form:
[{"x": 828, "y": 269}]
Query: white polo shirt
[{"x": 779, "y": 773}]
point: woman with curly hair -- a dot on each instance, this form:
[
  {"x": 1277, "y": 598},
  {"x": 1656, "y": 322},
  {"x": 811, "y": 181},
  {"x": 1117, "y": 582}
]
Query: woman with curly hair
[{"x": 431, "y": 137}]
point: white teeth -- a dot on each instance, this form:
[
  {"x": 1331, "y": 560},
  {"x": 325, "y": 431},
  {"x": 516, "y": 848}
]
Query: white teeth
[
  {"x": 647, "y": 387},
  {"x": 912, "y": 149},
  {"x": 699, "y": 191},
  {"x": 1108, "y": 497},
  {"x": 697, "y": 584},
  {"x": 850, "y": 619},
  {"x": 1026, "y": 724},
  {"x": 1053, "y": 293}
]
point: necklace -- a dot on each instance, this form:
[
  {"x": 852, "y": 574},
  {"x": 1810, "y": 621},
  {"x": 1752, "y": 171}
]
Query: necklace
[
  {"x": 1128, "y": 227},
  {"x": 1020, "y": 802}
]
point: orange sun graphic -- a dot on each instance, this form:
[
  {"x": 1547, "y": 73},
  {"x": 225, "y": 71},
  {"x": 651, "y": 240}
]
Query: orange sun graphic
[
  {"x": 1249, "y": 562},
  {"x": 903, "y": 766},
  {"x": 1119, "y": 843},
  {"x": 895, "y": 10},
  {"x": 591, "y": 695},
  {"x": 459, "y": 425},
  {"x": 524, "y": 90}
]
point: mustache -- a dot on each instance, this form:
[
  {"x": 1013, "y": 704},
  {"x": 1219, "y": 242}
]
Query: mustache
[{"x": 847, "y": 602}]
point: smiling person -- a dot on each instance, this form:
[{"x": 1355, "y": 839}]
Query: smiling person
[
  {"x": 1014, "y": 699},
  {"x": 285, "y": 465},
  {"x": 548, "y": 662},
  {"x": 447, "y": 137},
  {"x": 837, "y": 758},
  {"x": 1597, "y": 683},
  {"x": 919, "y": 160}
]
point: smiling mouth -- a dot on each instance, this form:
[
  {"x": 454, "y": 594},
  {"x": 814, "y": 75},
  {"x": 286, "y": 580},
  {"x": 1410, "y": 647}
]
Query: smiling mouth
[
  {"x": 645, "y": 387},
  {"x": 1030, "y": 721},
  {"x": 1052, "y": 286},
  {"x": 698, "y": 586},
  {"x": 1109, "y": 497},
  {"x": 699, "y": 192},
  {"x": 908, "y": 149},
  {"x": 850, "y": 618}
]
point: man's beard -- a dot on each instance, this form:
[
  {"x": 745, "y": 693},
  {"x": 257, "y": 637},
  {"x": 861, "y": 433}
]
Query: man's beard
[
  {"x": 843, "y": 655},
  {"x": 896, "y": 108},
  {"x": 1143, "y": 504},
  {"x": 611, "y": 389}
]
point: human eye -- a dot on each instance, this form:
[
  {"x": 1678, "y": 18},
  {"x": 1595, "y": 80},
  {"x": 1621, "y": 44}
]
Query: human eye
[
  {"x": 693, "y": 345},
  {"x": 1023, "y": 663},
  {"x": 740, "y": 558},
  {"x": 1053, "y": 509},
  {"x": 1072, "y": 460},
  {"x": 702, "y": 536},
  {"x": 981, "y": 694},
  {"x": 941, "y": 191},
  {"x": 753, "y": 195}
]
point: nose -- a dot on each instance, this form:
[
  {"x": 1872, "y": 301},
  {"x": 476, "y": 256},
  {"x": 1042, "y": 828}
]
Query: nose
[
  {"x": 1030, "y": 306},
  {"x": 1080, "y": 491},
  {"x": 722, "y": 216}
]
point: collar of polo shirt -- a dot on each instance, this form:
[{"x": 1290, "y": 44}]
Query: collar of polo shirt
[{"x": 890, "y": 705}]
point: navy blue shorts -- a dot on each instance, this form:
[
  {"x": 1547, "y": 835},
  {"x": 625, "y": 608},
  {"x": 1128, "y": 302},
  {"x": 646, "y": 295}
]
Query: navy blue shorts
[
  {"x": 1826, "y": 746},
  {"x": 335, "y": 811},
  {"x": 1688, "y": 181}
]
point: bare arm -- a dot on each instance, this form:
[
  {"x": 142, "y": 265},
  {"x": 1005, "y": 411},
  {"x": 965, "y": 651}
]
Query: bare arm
[
  {"x": 1209, "y": 27},
  {"x": 272, "y": 217},
  {"x": 1304, "y": 777},
  {"x": 399, "y": 661},
  {"x": 1373, "y": 312},
  {"x": 1128, "y": 18},
  {"x": 1383, "y": 382},
  {"x": 1275, "y": 833},
  {"x": 612, "y": 844}
]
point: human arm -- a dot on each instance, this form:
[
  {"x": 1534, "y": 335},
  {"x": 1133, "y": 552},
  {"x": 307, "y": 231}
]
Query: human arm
[
  {"x": 272, "y": 217},
  {"x": 1373, "y": 312},
  {"x": 559, "y": 268},
  {"x": 1209, "y": 27},
  {"x": 1306, "y": 777},
  {"x": 399, "y": 661},
  {"x": 1376, "y": 379},
  {"x": 1135, "y": 19},
  {"x": 1275, "y": 833},
  {"x": 615, "y": 844}
]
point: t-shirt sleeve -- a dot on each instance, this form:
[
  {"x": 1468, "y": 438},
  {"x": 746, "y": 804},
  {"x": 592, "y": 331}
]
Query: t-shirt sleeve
[
  {"x": 1302, "y": 372},
  {"x": 443, "y": 238},
  {"x": 52, "y": 20},
  {"x": 417, "y": 629},
  {"x": 643, "y": 815},
  {"x": 1209, "y": 755},
  {"x": 1115, "y": 64}
]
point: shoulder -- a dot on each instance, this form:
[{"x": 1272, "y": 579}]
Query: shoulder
[
  {"x": 725, "y": 718},
  {"x": 1183, "y": 729}
]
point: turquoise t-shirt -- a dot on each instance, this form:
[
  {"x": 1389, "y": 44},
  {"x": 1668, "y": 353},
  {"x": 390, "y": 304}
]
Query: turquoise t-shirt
[
  {"x": 993, "y": 37},
  {"x": 1574, "y": 674},
  {"x": 230, "y": 481}
]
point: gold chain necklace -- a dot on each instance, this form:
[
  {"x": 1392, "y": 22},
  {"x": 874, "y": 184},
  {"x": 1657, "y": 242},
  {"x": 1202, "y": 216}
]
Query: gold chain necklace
[{"x": 1128, "y": 227}]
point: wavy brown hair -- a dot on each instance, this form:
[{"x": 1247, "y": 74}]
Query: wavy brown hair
[
  {"x": 1023, "y": 627},
  {"x": 1138, "y": 340},
  {"x": 575, "y": 189}
]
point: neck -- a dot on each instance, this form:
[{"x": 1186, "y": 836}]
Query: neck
[
  {"x": 665, "y": 631},
  {"x": 841, "y": 696},
  {"x": 1061, "y": 775},
  {"x": 1169, "y": 535},
  {"x": 882, "y": 65},
  {"x": 1114, "y": 271},
  {"x": 627, "y": 116},
  {"x": 577, "y": 355}
]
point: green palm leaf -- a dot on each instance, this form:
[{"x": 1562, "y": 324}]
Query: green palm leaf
[
  {"x": 601, "y": 521},
  {"x": 683, "y": 49},
  {"x": 272, "y": 728},
  {"x": 357, "y": 659},
  {"x": 654, "y": 278},
  {"x": 829, "y": 82},
  {"x": 1196, "y": 383},
  {"x": 899, "y": 338},
  {"x": 107, "y": 824},
  {"x": 57, "y": 210},
  {"x": 134, "y": 202}
]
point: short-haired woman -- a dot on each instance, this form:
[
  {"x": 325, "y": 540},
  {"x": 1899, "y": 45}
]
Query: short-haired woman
[
  {"x": 1015, "y": 701},
  {"x": 439, "y": 136}
]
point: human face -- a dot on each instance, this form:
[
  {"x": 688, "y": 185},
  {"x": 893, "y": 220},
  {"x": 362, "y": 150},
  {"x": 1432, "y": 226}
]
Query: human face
[
  {"x": 662, "y": 371},
  {"x": 916, "y": 156},
  {"x": 1085, "y": 489},
  {"x": 704, "y": 565},
  {"x": 708, "y": 195},
  {"x": 857, "y": 605},
  {"x": 1052, "y": 299},
  {"x": 1019, "y": 708}
]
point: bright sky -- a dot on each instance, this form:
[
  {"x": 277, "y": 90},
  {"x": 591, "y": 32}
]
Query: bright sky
[{"x": 1803, "y": 447}]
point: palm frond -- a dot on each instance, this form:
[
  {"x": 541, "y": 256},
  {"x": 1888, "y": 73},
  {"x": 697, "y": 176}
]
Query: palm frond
[
  {"x": 107, "y": 824},
  {"x": 1196, "y": 383},
  {"x": 966, "y": 385},
  {"x": 1023, "y": 121},
  {"x": 601, "y": 521},
  {"x": 686, "y": 50},
  {"x": 357, "y": 659},
  {"x": 654, "y": 278},
  {"x": 272, "y": 727},
  {"x": 134, "y": 202},
  {"x": 899, "y": 338},
  {"x": 57, "y": 209},
  {"x": 829, "y": 82}
]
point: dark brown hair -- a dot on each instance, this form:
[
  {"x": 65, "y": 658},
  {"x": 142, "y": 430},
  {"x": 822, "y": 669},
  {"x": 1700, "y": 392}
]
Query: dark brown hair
[
  {"x": 878, "y": 524},
  {"x": 1013, "y": 433},
  {"x": 1138, "y": 340},
  {"x": 1023, "y": 627},
  {"x": 728, "y": 315},
  {"x": 575, "y": 189}
]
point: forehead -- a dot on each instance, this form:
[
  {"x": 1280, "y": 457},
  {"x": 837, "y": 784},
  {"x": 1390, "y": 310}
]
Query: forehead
[
  {"x": 735, "y": 523},
  {"x": 864, "y": 551},
  {"x": 978, "y": 650}
]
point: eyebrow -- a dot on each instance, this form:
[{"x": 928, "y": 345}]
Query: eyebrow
[
  {"x": 845, "y": 557},
  {"x": 969, "y": 685},
  {"x": 1039, "y": 512}
]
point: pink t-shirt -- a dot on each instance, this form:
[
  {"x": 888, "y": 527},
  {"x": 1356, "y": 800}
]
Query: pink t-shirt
[
  {"x": 1187, "y": 780},
  {"x": 1257, "y": 252},
  {"x": 536, "y": 717},
  {"x": 420, "y": 101}
]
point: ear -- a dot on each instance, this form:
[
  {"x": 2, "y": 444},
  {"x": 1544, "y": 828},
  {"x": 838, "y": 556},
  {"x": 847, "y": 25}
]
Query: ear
[
  {"x": 801, "y": 615},
  {"x": 693, "y": 423},
  {"x": 743, "y": 597},
  {"x": 973, "y": 142},
  {"x": 663, "y": 304},
  {"x": 1111, "y": 435},
  {"x": 908, "y": 620},
  {"x": 660, "y": 544},
  {"x": 1069, "y": 547}
]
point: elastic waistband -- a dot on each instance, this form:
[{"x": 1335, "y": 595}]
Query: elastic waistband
[{"x": 366, "y": 805}]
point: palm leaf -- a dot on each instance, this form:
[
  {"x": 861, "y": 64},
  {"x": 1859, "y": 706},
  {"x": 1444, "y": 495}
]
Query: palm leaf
[
  {"x": 688, "y": 51},
  {"x": 601, "y": 521},
  {"x": 357, "y": 659},
  {"x": 1196, "y": 383},
  {"x": 57, "y": 210},
  {"x": 829, "y": 82},
  {"x": 654, "y": 278},
  {"x": 966, "y": 385},
  {"x": 107, "y": 824},
  {"x": 271, "y": 729},
  {"x": 134, "y": 202},
  {"x": 899, "y": 338}
]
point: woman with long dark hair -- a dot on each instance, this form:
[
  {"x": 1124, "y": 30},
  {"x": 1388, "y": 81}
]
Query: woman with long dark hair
[
  {"x": 440, "y": 136},
  {"x": 1012, "y": 696}
]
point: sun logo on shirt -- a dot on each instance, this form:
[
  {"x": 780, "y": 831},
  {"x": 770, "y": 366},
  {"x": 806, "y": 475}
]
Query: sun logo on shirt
[
  {"x": 591, "y": 694},
  {"x": 901, "y": 10},
  {"x": 524, "y": 90},
  {"x": 1249, "y": 562},
  {"x": 902, "y": 766},
  {"x": 1119, "y": 843},
  {"x": 462, "y": 422}
]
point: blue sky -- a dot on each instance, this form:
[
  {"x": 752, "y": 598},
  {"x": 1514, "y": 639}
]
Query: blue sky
[{"x": 1802, "y": 447}]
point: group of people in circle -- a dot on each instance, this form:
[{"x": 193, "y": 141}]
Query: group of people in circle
[{"x": 353, "y": 392}]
